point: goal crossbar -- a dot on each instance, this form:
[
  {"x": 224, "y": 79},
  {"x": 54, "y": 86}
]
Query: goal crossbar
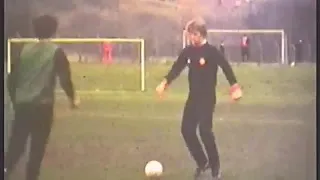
[
  {"x": 85, "y": 40},
  {"x": 251, "y": 31},
  {"x": 78, "y": 40},
  {"x": 284, "y": 50}
]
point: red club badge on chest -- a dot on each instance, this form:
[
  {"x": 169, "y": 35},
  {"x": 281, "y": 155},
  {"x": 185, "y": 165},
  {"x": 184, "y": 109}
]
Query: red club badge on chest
[{"x": 202, "y": 61}]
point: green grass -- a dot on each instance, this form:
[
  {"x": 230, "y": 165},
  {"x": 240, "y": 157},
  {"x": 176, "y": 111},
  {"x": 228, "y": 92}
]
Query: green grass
[{"x": 269, "y": 134}]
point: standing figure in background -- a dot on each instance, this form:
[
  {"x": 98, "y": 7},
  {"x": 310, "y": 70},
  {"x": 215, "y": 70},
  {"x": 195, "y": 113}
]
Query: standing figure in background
[
  {"x": 245, "y": 48},
  {"x": 106, "y": 53},
  {"x": 221, "y": 48},
  {"x": 81, "y": 58},
  {"x": 298, "y": 52}
]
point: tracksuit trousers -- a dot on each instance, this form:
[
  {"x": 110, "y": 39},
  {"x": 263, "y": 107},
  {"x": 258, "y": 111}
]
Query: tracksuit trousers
[
  {"x": 34, "y": 120},
  {"x": 200, "y": 115}
]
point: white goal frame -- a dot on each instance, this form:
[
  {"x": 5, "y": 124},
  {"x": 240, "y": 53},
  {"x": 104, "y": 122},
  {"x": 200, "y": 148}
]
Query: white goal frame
[
  {"x": 284, "y": 41},
  {"x": 141, "y": 42}
]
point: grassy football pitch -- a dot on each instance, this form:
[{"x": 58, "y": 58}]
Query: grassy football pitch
[{"x": 269, "y": 134}]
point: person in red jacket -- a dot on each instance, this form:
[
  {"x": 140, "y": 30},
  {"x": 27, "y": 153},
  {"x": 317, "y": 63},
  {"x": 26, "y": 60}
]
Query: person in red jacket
[{"x": 106, "y": 53}]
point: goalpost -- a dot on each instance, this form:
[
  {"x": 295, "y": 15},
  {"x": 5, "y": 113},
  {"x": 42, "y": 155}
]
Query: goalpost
[
  {"x": 86, "y": 41},
  {"x": 226, "y": 32}
]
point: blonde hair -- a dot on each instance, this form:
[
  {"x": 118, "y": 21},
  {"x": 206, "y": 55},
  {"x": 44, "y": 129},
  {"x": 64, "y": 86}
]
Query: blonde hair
[{"x": 197, "y": 25}]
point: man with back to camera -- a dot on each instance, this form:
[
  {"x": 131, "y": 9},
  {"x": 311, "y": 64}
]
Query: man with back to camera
[
  {"x": 31, "y": 85},
  {"x": 203, "y": 60}
]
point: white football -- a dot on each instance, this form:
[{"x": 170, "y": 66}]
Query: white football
[
  {"x": 293, "y": 64},
  {"x": 153, "y": 169}
]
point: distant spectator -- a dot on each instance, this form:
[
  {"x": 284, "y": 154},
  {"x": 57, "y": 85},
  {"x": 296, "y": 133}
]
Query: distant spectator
[
  {"x": 81, "y": 58},
  {"x": 299, "y": 51},
  {"x": 245, "y": 48},
  {"x": 107, "y": 53},
  {"x": 221, "y": 48}
]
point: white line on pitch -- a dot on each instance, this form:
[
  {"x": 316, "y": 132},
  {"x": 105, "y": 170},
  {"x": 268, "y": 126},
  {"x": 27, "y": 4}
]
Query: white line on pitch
[
  {"x": 101, "y": 91},
  {"x": 163, "y": 118}
]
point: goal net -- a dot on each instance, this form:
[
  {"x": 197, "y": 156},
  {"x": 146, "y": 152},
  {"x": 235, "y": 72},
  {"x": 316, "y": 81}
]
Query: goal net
[
  {"x": 94, "y": 68},
  {"x": 266, "y": 45}
]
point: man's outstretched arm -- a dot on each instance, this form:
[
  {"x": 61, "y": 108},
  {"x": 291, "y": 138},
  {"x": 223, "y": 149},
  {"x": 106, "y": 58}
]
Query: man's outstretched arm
[
  {"x": 177, "y": 67},
  {"x": 174, "y": 72},
  {"x": 226, "y": 68},
  {"x": 235, "y": 91},
  {"x": 62, "y": 67}
]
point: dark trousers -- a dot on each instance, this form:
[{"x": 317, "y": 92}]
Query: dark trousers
[
  {"x": 298, "y": 55},
  {"x": 200, "y": 115},
  {"x": 34, "y": 120},
  {"x": 245, "y": 55}
]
